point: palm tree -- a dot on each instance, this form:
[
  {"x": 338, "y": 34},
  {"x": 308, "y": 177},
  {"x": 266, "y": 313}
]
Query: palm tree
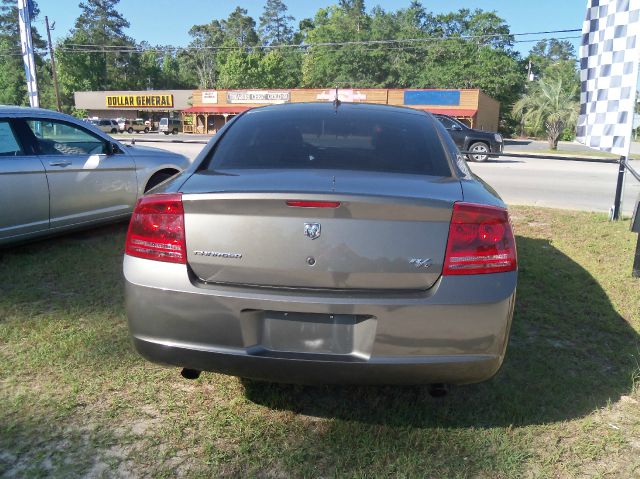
[{"x": 550, "y": 104}]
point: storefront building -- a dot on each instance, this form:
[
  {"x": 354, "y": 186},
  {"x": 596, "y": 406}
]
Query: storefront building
[
  {"x": 211, "y": 109},
  {"x": 148, "y": 104}
]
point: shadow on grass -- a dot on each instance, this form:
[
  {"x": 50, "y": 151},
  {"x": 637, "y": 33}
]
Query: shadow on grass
[
  {"x": 79, "y": 271},
  {"x": 570, "y": 352}
]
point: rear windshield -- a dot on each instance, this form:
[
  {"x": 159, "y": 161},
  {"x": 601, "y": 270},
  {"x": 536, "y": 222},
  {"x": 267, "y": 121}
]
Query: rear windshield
[{"x": 347, "y": 139}]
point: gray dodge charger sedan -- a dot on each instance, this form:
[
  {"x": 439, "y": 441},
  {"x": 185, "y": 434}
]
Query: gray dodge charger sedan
[
  {"x": 59, "y": 173},
  {"x": 324, "y": 243}
]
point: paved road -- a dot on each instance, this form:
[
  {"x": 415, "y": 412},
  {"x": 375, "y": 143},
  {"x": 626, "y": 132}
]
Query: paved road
[
  {"x": 558, "y": 184},
  {"x": 529, "y": 181}
]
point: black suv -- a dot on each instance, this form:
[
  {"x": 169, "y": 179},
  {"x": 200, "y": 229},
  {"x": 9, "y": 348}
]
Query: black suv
[{"x": 480, "y": 143}]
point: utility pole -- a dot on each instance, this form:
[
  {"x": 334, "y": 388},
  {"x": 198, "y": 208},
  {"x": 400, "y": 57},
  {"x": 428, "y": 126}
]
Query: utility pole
[{"x": 53, "y": 64}]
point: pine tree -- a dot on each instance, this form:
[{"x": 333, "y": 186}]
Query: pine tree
[
  {"x": 275, "y": 24},
  {"x": 99, "y": 27},
  {"x": 240, "y": 28}
]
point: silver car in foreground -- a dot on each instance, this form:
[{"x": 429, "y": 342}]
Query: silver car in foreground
[
  {"x": 324, "y": 243},
  {"x": 58, "y": 173}
]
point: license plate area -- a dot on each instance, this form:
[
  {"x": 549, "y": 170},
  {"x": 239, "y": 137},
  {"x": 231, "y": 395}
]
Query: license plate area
[{"x": 310, "y": 333}]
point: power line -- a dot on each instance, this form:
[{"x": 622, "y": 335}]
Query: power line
[
  {"x": 355, "y": 42},
  {"x": 305, "y": 47},
  {"x": 101, "y": 48}
]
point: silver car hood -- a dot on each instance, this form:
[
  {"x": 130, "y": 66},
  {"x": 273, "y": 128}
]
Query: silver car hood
[{"x": 148, "y": 153}]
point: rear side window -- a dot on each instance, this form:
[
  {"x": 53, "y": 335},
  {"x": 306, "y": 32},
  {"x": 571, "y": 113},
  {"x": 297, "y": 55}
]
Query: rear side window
[
  {"x": 347, "y": 139},
  {"x": 448, "y": 124},
  {"x": 59, "y": 138},
  {"x": 8, "y": 143}
]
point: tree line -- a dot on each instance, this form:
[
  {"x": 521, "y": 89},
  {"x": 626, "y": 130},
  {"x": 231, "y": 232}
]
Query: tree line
[{"x": 343, "y": 45}]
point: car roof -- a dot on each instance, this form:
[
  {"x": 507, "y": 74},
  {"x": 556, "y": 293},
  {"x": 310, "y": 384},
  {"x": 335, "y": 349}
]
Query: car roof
[
  {"x": 26, "y": 111},
  {"x": 6, "y": 110},
  {"x": 328, "y": 105}
]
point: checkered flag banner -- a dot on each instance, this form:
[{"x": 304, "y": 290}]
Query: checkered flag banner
[
  {"x": 25, "y": 12},
  {"x": 609, "y": 74}
]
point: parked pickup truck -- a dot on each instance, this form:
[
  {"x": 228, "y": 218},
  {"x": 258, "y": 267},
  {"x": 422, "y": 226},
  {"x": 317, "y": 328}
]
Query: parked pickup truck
[
  {"x": 480, "y": 143},
  {"x": 130, "y": 126}
]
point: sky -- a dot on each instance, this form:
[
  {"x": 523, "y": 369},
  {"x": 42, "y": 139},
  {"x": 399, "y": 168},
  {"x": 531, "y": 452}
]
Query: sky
[{"x": 166, "y": 22}]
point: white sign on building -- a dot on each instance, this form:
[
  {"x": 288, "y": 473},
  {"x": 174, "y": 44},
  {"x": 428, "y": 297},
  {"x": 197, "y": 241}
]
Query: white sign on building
[
  {"x": 209, "y": 97},
  {"x": 258, "y": 96}
]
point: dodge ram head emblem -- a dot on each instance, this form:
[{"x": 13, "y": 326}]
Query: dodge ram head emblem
[
  {"x": 420, "y": 262},
  {"x": 312, "y": 230}
]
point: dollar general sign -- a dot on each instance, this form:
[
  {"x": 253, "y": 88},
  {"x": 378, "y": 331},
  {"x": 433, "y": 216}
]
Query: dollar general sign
[{"x": 135, "y": 101}]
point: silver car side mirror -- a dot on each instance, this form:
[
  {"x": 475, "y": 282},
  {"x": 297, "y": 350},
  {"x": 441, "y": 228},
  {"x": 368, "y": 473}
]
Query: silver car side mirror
[{"x": 111, "y": 149}]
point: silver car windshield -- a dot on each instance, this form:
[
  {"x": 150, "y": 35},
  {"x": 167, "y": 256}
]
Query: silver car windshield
[{"x": 350, "y": 139}]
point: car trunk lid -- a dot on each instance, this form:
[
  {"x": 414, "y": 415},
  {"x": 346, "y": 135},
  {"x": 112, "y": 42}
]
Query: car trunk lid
[{"x": 389, "y": 231}]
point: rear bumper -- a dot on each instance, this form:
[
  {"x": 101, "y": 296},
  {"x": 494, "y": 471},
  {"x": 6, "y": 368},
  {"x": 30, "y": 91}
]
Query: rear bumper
[
  {"x": 385, "y": 370},
  {"x": 456, "y": 332}
]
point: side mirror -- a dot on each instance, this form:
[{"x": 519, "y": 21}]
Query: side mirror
[
  {"x": 456, "y": 128},
  {"x": 111, "y": 149}
]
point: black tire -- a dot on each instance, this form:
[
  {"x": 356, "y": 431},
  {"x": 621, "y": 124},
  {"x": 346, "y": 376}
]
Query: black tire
[
  {"x": 158, "y": 178},
  {"x": 146, "y": 130},
  {"x": 130, "y": 130},
  {"x": 166, "y": 132},
  {"x": 175, "y": 131},
  {"x": 114, "y": 131},
  {"x": 482, "y": 150}
]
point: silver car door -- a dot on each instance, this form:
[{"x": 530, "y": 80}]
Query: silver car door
[
  {"x": 86, "y": 184},
  {"x": 24, "y": 194}
]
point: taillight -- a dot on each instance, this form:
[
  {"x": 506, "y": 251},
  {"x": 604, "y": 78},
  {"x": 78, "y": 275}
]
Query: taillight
[
  {"x": 480, "y": 241},
  {"x": 156, "y": 230}
]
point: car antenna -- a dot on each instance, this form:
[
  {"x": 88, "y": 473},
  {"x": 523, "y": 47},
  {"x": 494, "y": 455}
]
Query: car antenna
[{"x": 336, "y": 101}]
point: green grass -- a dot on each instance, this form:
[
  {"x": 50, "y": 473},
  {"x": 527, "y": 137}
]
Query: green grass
[{"x": 75, "y": 399}]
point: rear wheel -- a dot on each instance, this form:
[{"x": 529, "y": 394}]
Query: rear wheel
[
  {"x": 114, "y": 130},
  {"x": 175, "y": 131},
  {"x": 158, "y": 178},
  {"x": 479, "y": 151},
  {"x": 130, "y": 130},
  {"x": 166, "y": 132},
  {"x": 146, "y": 130}
]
